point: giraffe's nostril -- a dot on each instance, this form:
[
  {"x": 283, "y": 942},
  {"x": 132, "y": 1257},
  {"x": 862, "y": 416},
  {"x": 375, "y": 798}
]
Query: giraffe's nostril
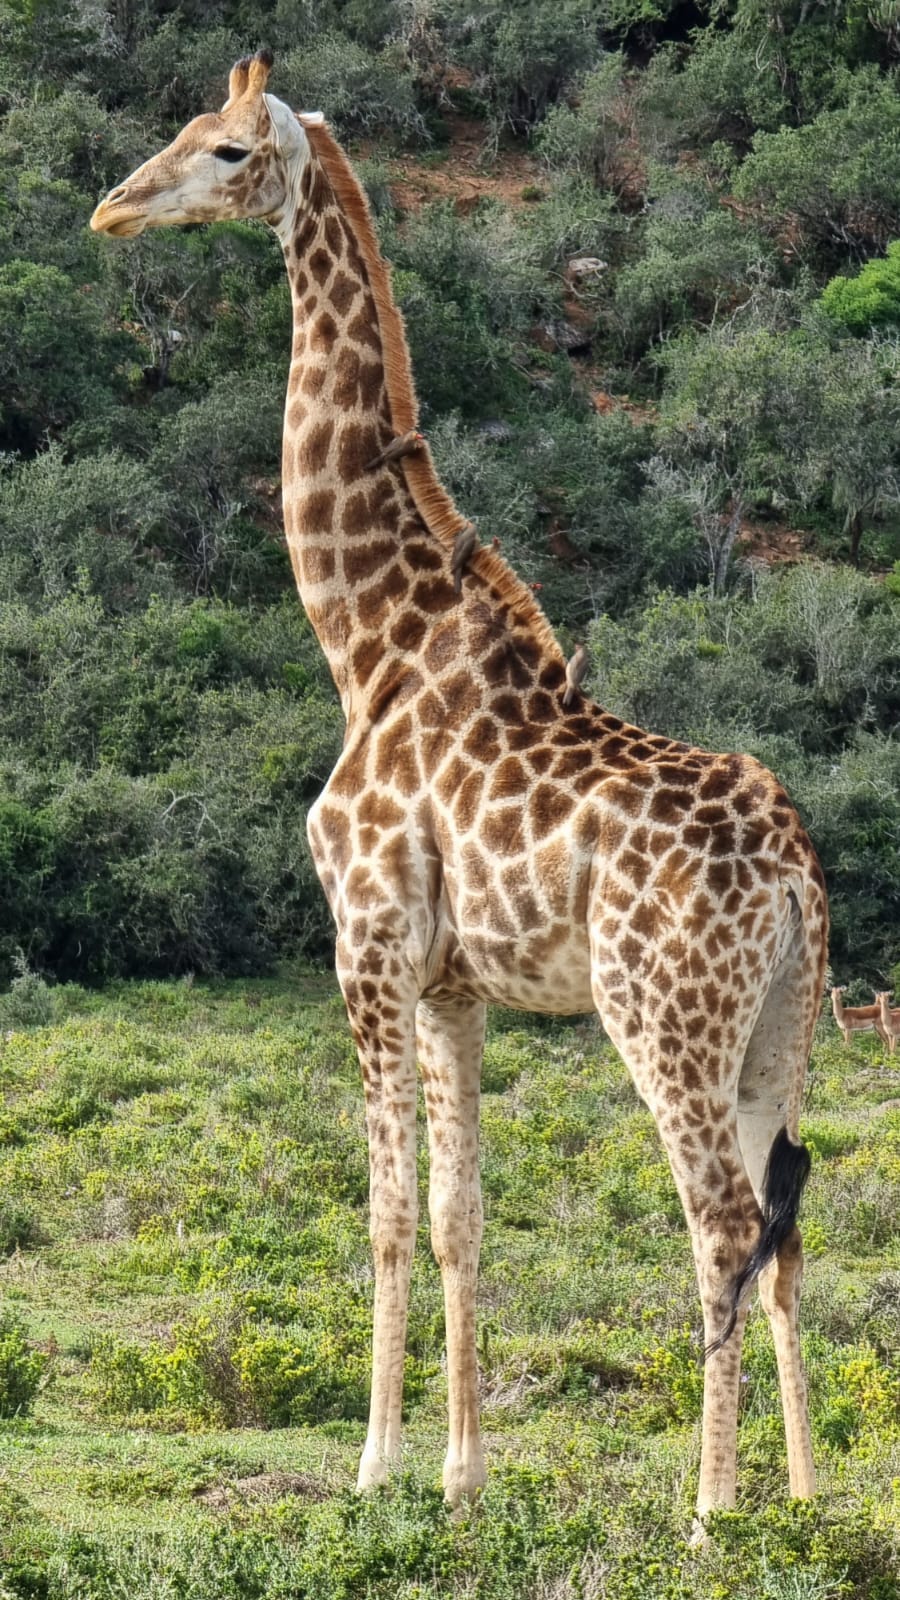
[{"x": 116, "y": 194}]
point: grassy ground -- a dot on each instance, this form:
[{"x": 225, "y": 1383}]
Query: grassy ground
[{"x": 182, "y": 1210}]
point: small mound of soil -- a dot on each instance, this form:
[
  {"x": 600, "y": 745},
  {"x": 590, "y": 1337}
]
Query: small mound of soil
[{"x": 264, "y": 1488}]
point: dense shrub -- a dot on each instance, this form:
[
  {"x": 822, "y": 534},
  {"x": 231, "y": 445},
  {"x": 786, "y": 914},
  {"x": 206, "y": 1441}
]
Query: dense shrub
[
  {"x": 155, "y": 768},
  {"x": 871, "y": 299},
  {"x": 360, "y": 90},
  {"x": 21, "y": 1368},
  {"x": 56, "y": 356},
  {"x": 833, "y": 182},
  {"x": 155, "y": 786},
  {"x": 18, "y": 1228},
  {"x": 715, "y": 91},
  {"x": 590, "y": 131},
  {"x": 65, "y": 522},
  {"x": 220, "y": 1369},
  {"x": 521, "y": 58},
  {"x": 694, "y": 263},
  {"x": 28, "y": 1003}
]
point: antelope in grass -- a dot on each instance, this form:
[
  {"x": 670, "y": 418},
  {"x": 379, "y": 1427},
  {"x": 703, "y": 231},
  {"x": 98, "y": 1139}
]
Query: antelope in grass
[
  {"x": 890, "y": 1021},
  {"x": 860, "y": 1019}
]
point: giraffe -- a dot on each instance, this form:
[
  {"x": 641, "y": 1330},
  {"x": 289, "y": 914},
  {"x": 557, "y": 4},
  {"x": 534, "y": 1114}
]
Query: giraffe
[{"x": 489, "y": 835}]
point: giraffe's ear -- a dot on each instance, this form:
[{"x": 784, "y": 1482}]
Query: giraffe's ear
[{"x": 237, "y": 82}]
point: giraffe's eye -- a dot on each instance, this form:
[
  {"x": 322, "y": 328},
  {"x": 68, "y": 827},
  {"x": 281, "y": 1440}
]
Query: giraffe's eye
[{"x": 230, "y": 152}]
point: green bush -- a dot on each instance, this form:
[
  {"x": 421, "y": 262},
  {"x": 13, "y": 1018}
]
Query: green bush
[
  {"x": 714, "y": 91},
  {"x": 871, "y": 299},
  {"x": 29, "y": 1001},
  {"x": 57, "y": 358},
  {"x": 670, "y": 1373},
  {"x": 181, "y": 68},
  {"x": 360, "y": 90},
  {"x": 231, "y": 1372},
  {"x": 589, "y": 133},
  {"x": 185, "y": 743},
  {"x": 18, "y": 1229},
  {"x": 88, "y": 521},
  {"x": 696, "y": 258},
  {"x": 462, "y": 362},
  {"x": 833, "y": 180},
  {"x": 522, "y": 57},
  {"x": 21, "y": 1368},
  {"x": 484, "y": 265},
  {"x": 217, "y": 527}
]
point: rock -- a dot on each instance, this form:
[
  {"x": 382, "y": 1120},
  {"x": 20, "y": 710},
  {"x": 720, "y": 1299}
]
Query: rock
[
  {"x": 586, "y": 267},
  {"x": 562, "y": 335},
  {"x": 495, "y": 430}
]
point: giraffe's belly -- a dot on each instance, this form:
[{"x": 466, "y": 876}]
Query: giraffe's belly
[
  {"x": 515, "y": 924},
  {"x": 546, "y": 971},
  {"x": 562, "y": 992}
]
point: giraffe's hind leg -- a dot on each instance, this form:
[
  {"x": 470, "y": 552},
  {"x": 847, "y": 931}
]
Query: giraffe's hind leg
[
  {"x": 724, "y": 1222},
  {"x": 692, "y": 1093},
  {"x": 768, "y": 1108}
]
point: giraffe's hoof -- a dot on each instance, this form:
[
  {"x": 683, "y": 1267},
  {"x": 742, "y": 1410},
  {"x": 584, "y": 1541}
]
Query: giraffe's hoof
[
  {"x": 463, "y": 1482},
  {"x": 699, "y": 1534},
  {"x": 374, "y": 1471}
]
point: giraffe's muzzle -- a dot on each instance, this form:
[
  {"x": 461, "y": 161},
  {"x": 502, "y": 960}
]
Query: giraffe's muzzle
[{"x": 116, "y": 216}]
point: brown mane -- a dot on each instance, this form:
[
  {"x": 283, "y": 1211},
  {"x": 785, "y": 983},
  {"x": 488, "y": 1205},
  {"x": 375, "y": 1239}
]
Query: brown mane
[{"x": 434, "y": 505}]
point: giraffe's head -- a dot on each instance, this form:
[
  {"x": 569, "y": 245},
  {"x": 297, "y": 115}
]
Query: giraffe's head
[{"x": 243, "y": 161}]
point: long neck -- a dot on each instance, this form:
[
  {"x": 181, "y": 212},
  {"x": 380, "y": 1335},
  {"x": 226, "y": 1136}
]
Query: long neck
[
  {"x": 342, "y": 522},
  {"x": 371, "y": 547}
]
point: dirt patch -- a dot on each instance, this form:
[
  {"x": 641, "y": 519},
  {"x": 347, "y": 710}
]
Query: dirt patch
[
  {"x": 773, "y": 543},
  {"x": 470, "y": 172},
  {"x": 604, "y": 402},
  {"x": 262, "y": 1489}
]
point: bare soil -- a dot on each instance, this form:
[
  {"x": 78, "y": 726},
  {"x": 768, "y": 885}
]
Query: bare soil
[
  {"x": 470, "y": 172},
  {"x": 772, "y": 543}
]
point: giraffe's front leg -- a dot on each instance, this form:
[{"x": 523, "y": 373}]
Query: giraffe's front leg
[
  {"x": 451, "y": 1041},
  {"x": 382, "y": 1016}
]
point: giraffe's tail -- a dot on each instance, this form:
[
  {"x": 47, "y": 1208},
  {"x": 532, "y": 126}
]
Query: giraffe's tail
[{"x": 787, "y": 1170}]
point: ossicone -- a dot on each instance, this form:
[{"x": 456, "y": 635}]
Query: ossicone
[{"x": 249, "y": 76}]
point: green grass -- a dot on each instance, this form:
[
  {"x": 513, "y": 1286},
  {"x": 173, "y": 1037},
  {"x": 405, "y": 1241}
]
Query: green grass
[{"x": 183, "y": 1183}]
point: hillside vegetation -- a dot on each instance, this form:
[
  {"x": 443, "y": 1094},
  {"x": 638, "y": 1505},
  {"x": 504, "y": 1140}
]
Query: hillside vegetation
[
  {"x": 687, "y": 442},
  {"x": 184, "y": 1182}
]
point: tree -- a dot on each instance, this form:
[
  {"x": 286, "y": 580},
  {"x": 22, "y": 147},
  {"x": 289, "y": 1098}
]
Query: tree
[
  {"x": 859, "y": 432},
  {"x": 832, "y": 185},
  {"x": 57, "y": 359},
  {"x": 734, "y": 413},
  {"x": 84, "y": 520}
]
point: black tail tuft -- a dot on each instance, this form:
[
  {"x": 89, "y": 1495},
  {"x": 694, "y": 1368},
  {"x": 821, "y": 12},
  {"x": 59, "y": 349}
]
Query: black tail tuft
[{"x": 787, "y": 1170}]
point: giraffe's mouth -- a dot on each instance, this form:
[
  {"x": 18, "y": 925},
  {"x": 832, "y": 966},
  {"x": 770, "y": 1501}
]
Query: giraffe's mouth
[
  {"x": 112, "y": 217},
  {"x": 128, "y": 228}
]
